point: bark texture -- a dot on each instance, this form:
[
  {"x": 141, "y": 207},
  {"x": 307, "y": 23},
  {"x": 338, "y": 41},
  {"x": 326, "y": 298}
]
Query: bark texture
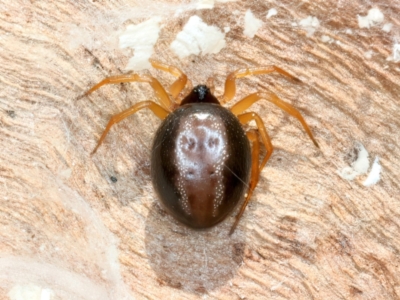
[{"x": 78, "y": 226}]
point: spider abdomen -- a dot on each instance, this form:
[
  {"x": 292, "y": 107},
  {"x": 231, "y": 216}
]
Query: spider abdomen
[{"x": 200, "y": 163}]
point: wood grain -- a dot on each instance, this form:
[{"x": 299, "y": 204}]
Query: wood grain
[{"x": 307, "y": 234}]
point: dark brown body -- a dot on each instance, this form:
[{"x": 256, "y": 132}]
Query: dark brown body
[{"x": 201, "y": 161}]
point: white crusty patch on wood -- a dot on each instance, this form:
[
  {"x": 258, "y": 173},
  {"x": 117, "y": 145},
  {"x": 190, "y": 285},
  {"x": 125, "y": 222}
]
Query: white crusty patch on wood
[
  {"x": 358, "y": 167},
  {"x": 375, "y": 173},
  {"x": 251, "y": 24},
  {"x": 272, "y": 12},
  {"x": 198, "y": 38},
  {"x": 387, "y": 27},
  {"x": 374, "y": 17},
  {"x": 142, "y": 38},
  {"x": 309, "y": 24},
  {"x": 100, "y": 30}
]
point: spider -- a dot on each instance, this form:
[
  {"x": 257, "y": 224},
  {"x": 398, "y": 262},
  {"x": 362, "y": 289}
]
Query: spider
[{"x": 202, "y": 164}]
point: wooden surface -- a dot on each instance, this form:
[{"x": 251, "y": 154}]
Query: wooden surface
[{"x": 68, "y": 230}]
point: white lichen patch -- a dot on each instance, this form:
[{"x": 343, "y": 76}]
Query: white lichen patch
[
  {"x": 374, "y": 17},
  {"x": 375, "y": 173},
  {"x": 309, "y": 24},
  {"x": 251, "y": 24},
  {"x": 198, "y": 38},
  {"x": 272, "y": 12},
  {"x": 141, "y": 38},
  {"x": 358, "y": 167}
]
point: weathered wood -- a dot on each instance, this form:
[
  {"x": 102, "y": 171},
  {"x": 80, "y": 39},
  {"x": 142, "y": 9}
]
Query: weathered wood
[{"x": 307, "y": 234}]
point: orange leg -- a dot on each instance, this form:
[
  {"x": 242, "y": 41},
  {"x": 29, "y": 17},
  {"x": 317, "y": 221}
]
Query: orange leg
[
  {"x": 159, "y": 111},
  {"x": 230, "y": 84},
  {"x": 246, "y": 118},
  {"x": 246, "y": 102},
  {"x": 161, "y": 94},
  {"x": 255, "y": 168},
  {"x": 179, "y": 84},
  {"x": 255, "y": 174}
]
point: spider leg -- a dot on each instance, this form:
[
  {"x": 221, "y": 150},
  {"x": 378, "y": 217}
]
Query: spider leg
[
  {"x": 158, "y": 110},
  {"x": 230, "y": 83},
  {"x": 161, "y": 94},
  {"x": 179, "y": 84},
  {"x": 246, "y": 102},
  {"x": 255, "y": 156},
  {"x": 266, "y": 140}
]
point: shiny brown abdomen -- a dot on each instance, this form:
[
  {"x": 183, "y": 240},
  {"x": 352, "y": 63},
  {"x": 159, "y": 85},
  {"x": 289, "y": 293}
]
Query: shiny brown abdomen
[{"x": 200, "y": 163}]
